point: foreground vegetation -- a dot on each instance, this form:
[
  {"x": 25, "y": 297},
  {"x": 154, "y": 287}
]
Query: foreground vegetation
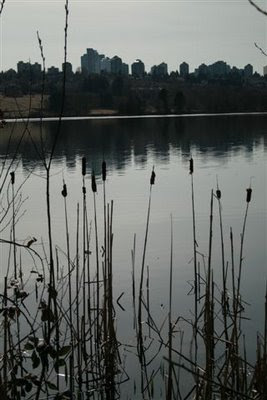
[
  {"x": 60, "y": 336},
  {"x": 58, "y": 321}
]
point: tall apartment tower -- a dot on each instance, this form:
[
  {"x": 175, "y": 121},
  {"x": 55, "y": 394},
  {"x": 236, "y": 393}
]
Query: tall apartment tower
[
  {"x": 138, "y": 68},
  {"x": 116, "y": 65},
  {"x": 248, "y": 71},
  {"x": 68, "y": 68},
  {"x": 219, "y": 68},
  {"x": 125, "y": 69},
  {"x": 90, "y": 62},
  {"x": 184, "y": 69},
  {"x": 105, "y": 64},
  {"x": 159, "y": 70}
]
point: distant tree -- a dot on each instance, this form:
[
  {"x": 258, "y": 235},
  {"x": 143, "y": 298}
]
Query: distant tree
[
  {"x": 163, "y": 97},
  {"x": 55, "y": 99},
  {"x": 174, "y": 75},
  {"x": 117, "y": 86},
  {"x": 179, "y": 102},
  {"x": 106, "y": 99},
  {"x": 95, "y": 84}
]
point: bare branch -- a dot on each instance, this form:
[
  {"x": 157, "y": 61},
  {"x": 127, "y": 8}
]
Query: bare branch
[
  {"x": 2, "y": 6},
  {"x": 261, "y": 50},
  {"x": 264, "y": 12},
  {"x": 63, "y": 83}
]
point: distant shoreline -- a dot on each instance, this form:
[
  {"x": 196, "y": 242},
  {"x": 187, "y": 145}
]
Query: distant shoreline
[{"x": 105, "y": 116}]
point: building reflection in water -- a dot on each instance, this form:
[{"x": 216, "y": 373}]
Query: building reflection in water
[{"x": 122, "y": 141}]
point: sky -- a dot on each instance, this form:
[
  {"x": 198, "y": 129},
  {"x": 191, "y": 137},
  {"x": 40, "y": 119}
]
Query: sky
[{"x": 154, "y": 31}]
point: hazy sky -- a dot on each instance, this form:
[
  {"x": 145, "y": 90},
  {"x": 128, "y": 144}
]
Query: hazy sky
[{"x": 154, "y": 31}]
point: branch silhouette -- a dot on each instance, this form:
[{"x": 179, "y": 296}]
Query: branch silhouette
[
  {"x": 2, "y": 6},
  {"x": 261, "y": 10}
]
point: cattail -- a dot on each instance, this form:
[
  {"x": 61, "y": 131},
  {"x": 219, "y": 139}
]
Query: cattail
[
  {"x": 191, "y": 166},
  {"x": 83, "y": 166},
  {"x": 64, "y": 191},
  {"x": 152, "y": 178},
  {"x": 12, "y": 174},
  {"x": 84, "y": 190},
  {"x": 104, "y": 170},
  {"x": 93, "y": 182},
  {"x": 218, "y": 194},
  {"x": 249, "y": 191}
]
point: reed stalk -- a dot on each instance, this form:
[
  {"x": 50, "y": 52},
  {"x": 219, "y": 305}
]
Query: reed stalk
[
  {"x": 170, "y": 381},
  {"x": 71, "y": 359},
  {"x": 140, "y": 338},
  {"x": 133, "y": 283},
  {"x": 196, "y": 283},
  {"x": 12, "y": 174}
]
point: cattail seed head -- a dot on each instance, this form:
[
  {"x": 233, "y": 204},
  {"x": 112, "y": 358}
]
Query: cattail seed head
[
  {"x": 84, "y": 190},
  {"x": 249, "y": 192},
  {"x": 218, "y": 194},
  {"x": 83, "y": 166},
  {"x": 152, "y": 178},
  {"x": 12, "y": 175},
  {"x": 191, "y": 166},
  {"x": 104, "y": 170},
  {"x": 64, "y": 191},
  {"x": 93, "y": 183}
]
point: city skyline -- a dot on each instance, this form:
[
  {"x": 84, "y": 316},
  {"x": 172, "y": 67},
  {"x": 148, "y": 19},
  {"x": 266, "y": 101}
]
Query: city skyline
[
  {"x": 94, "y": 63},
  {"x": 196, "y": 31}
]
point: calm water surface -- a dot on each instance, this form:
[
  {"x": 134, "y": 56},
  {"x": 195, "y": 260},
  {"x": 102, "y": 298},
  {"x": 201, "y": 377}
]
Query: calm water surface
[{"x": 230, "y": 149}]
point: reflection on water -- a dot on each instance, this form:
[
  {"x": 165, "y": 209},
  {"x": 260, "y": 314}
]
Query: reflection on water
[
  {"x": 232, "y": 148},
  {"x": 120, "y": 140}
]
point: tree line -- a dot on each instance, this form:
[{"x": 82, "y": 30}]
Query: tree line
[{"x": 127, "y": 95}]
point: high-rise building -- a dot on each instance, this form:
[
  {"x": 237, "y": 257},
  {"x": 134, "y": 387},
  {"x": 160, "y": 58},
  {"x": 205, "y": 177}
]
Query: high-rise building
[
  {"x": 125, "y": 69},
  {"x": 36, "y": 68},
  {"x": 94, "y": 63},
  {"x": 90, "y": 62},
  {"x": 219, "y": 68},
  {"x": 138, "y": 68},
  {"x": 68, "y": 68},
  {"x": 184, "y": 69},
  {"x": 105, "y": 64},
  {"x": 159, "y": 70},
  {"x": 53, "y": 71},
  {"x": 116, "y": 65},
  {"x": 248, "y": 71},
  {"x": 237, "y": 71},
  {"x": 202, "y": 70},
  {"x": 23, "y": 67},
  {"x": 31, "y": 70}
]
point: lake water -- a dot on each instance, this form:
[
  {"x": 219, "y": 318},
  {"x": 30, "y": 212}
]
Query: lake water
[{"x": 229, "y": 149}]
